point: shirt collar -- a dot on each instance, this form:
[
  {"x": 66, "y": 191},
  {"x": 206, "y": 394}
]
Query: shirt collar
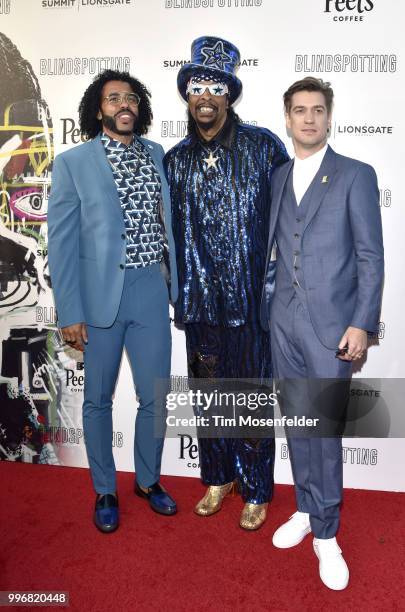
[
  {"x": 109, "y": 142},
  {"x": 312, "y": 161},
  {"x": 225, "y": 136}
]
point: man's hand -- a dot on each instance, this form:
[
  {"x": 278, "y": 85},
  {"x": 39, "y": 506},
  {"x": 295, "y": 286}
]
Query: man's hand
[
  {"x": 75, "y": 335},
  {"x": 356, "y": 341}
]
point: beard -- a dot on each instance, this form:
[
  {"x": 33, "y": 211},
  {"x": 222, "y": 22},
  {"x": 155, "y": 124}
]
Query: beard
[
  {"x": 204, "y": 126},
  {"x": 194, "y": 124},
  {"x": 111, "y": 124}
]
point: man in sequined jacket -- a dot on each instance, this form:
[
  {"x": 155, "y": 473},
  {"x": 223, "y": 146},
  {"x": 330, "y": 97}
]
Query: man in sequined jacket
[{"x": 219, "y": 178}]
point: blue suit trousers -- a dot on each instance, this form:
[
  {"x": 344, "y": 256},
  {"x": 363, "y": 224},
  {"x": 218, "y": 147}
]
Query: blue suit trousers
[{"x": 142, "y": 327}]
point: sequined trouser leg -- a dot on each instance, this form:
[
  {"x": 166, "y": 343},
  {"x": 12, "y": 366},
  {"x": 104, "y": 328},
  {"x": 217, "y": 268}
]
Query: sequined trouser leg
[{"x": 233, "y": 352}]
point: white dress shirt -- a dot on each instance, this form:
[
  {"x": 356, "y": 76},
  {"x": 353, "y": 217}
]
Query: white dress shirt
[{"x": 304, "y": 171}]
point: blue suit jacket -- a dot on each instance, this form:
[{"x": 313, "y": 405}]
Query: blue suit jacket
[
  {"x": 86, "y": 234},
  {"x": 342, "y": 248}
]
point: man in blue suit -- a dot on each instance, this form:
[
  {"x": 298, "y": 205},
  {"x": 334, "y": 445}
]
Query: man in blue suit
[
  {"x": 325, "y": 233},
  {"x": 109, "y": 241}
]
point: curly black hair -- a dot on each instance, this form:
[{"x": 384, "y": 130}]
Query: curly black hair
[{"x": 89, "y": 105}]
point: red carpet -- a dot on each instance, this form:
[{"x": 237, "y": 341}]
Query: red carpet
[{"x": 185, "y": 562}]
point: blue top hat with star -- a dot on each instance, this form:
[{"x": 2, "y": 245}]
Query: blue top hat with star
[{"x": 212, "y": 58}]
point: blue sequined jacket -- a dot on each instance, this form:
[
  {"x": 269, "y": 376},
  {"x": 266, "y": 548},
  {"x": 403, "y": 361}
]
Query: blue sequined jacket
[{"x": 220, "y": 215}]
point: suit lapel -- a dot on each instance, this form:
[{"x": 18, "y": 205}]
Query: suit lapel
[
  {"x": 277, "y": 192},
  {"x": 322, "y": 181},
  {"x": 105, "y": 171}
]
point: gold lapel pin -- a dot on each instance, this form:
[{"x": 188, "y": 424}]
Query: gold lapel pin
[{"x": 324, "y": 179}]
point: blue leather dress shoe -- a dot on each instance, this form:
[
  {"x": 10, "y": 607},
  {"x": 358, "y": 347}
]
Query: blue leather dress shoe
[
  {"x": 106, "y": 513},
  {"x": 159, "y": 500}
]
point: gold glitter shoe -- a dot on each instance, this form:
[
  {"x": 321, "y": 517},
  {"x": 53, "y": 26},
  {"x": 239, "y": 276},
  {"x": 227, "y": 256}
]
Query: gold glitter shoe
[
  {"x": 253, "y": 516},
  {"x": 212, "y": 500}
]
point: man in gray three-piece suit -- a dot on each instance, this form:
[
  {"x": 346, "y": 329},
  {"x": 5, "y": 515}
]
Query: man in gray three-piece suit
[
  {"x": 325, "y": 233},
  {"x": 109, "y": 226}
]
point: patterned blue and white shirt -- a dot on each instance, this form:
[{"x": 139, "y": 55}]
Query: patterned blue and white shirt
[{"x": 139, "y": 189}]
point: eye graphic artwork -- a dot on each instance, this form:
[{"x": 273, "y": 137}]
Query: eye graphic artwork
[
  {"x": 26, "y": 166},
  {"x": 29, "y": 204}
]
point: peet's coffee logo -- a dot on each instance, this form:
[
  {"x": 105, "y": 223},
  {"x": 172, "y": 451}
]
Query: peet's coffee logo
[
  {"x": 5, "y": 6},
  {"x": 360, "y": 6},
  {"x": 70, "y": 132},
  {"x": 74, "y": 381},
  {"x": 188, "y": 451},
  {"x": 348, "y": 10},
  {"x": 178, "y": 63}
]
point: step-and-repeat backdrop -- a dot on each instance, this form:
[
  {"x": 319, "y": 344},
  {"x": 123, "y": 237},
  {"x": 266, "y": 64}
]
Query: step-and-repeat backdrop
[{"x": 49, "y": 52}]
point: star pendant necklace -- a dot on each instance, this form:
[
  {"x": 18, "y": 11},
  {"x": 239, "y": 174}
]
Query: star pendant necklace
[{"x": 211, "y": 161}]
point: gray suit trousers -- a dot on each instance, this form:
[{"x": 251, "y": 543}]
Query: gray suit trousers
[{"x": 300, "y": 357}]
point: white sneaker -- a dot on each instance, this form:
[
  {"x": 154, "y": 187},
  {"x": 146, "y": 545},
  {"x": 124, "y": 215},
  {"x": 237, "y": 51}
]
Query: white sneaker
[
  {"x": 333, "y": 569},
  {"x": 293, "y": 531}
]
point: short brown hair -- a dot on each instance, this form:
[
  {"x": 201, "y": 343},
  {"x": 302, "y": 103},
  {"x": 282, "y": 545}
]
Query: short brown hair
[{"x": 309, "y": 84}]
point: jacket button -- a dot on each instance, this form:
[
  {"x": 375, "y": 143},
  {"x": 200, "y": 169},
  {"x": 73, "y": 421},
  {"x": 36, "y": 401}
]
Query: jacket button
[
  {"x": 122, "y": 266},
  {"x": 123, "y": 236},
  {"x": 296, "y": 235},
  {"x": 295, "y": 284}
]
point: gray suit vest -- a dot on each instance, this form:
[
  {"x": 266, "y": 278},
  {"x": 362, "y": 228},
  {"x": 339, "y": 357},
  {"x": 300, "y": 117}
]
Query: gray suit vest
[{"x": 291, "y": 219}]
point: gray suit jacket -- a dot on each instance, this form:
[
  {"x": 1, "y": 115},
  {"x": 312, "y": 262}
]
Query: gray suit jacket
[
  {"x": 342, "y": 248},
  {"x": 86, "y": 234}
]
